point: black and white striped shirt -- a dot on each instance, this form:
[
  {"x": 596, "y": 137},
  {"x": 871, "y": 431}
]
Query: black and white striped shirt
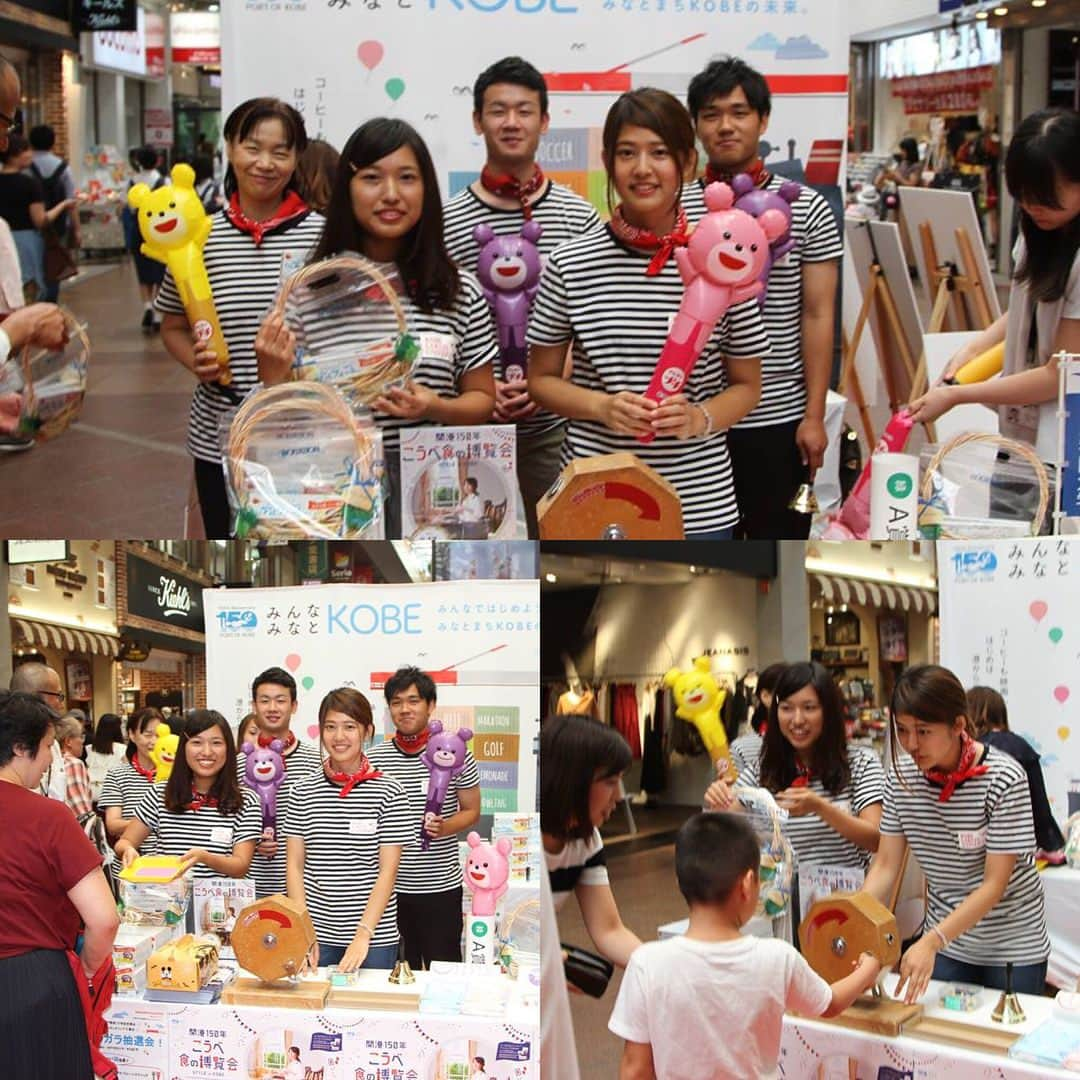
[
  {"x": 562, "y": 213},
  {"x": 245, "y": 280},
  {"x": 581, "y": 862},
  {"x": 452, "y": 342},
  {"x": 987, "y": 815},
  {"x": 783, "y": 380},
  {"x": 207, "y": 828},
  {"x": 269, "y": 873},
  {"x": 439, "y": 868},
  {"x": 124, "y": 787},
  {"x": 746, "y": 750},
  {"x": 812, "y": 839},
  {"x": 342, "y": 838},
  {"x": 595, "y": 292}
]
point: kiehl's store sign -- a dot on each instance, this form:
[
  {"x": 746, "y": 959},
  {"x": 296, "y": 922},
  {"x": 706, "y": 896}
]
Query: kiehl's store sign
[{"x": 163, "y": 595}]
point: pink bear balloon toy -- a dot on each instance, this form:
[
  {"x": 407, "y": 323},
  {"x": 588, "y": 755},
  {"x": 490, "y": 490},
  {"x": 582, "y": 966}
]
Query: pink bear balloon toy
[
  {"x": 444, "y": 757},
  {"x": 720, "y": 267},
  {"x": 755, "y": 201},
  {"x": 264, "y": 772},
  {"x": 509, "y": 271},
  {"x": 486, "y": 872}
]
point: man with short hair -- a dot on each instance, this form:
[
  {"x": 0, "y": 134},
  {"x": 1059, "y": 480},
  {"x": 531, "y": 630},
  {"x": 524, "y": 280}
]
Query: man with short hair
[
  {"x": 43, "y": 682},
  {"x": 273, "y": 700},
  {"x": 55, "y": 177},
  {"x": 781, "y": 444},
  {"x": 429, "y": 883},
  {"x": 510, "y": 110}
]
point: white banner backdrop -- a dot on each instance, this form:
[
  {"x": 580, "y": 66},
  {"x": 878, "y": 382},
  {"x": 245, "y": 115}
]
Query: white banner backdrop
[
  {"x": 342, "y": 62},
  {"x": 1010, "y": 619},
  {"x": 479, "y": 640}
]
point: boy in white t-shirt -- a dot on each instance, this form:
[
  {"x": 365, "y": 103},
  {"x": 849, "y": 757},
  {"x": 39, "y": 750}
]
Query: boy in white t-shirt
[{"x": 730, "y": 991}]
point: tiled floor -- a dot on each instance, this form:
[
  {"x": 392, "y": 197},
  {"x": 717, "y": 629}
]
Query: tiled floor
[{"x": 122, "y": 470}]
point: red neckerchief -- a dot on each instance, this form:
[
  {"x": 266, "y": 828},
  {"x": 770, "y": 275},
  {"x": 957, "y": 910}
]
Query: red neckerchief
[
  {"x": 199, "y": 800},
  {"x": 146, "y": 774},
  {"x": 289, "y": 741},
  {"x": 803, "y": 775},
  {"x": 412, "y": 743},
  {"x": 965, "y": 769},
  {"x": 291, "y": 206},
  {"x": 755, "y": 170},
  {"x": 350, "y": 780},
  {"x": 510, "y": 187},
  {"x": 664, "y": 246}
]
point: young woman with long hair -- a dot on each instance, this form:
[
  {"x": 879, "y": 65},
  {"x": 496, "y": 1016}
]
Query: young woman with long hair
[
  {"x": 201, "y": 812},
  {"x": 831, "y": 789},
  {"x": 612, "y": 294},
  {"x": 385, "y": 205},
  {"x": 964, "y": 810}
]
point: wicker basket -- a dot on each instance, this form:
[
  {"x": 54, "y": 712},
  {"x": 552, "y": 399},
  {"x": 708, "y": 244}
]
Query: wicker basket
[
  {"x": 1011, "y": 446},
  {"x": 46, "y": 414},
  {"x": 378, "y": 363}
]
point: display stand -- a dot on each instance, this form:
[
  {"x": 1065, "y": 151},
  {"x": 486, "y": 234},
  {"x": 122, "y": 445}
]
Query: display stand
[{"x": 1067, "y": 466}]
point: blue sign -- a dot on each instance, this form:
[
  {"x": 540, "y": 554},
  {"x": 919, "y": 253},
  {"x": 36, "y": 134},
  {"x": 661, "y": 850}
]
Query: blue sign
[
  {"x": 1070, "y": 480},
  {"x": 949, "y": 5}
]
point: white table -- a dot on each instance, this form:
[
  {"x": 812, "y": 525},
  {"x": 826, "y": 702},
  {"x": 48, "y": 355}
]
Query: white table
[
  {"x": 150, "y": 1041},
  {"x": 807, "y": 1045},
  {"x": 1062, "y": 888}
]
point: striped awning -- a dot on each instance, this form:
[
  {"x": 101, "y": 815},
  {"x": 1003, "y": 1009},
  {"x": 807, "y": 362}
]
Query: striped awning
[
  {"x": 838, "y": 589},
  {"x": 49, "y": 635}
]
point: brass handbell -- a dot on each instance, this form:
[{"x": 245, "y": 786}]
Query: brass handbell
[
  {"x": 402, "y": 974},
  {"x": 1008, "y": 1010},
  {"x": 805, "y": 501}
]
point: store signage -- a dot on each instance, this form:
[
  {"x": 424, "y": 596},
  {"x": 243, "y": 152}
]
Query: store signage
[
  {"x": 163, "y": 595},
  {"x": 196, "y": 37},
  {"x": 155, "y": 46},
  {"x": 118, "y": 51},
  {"x": 67, "y": 577},
  {"x": 945, "y": 91},
  {"x": 104, "y": 15},
  {"x": 36, "y": 551},
  {"x": 158, "y": 127}
]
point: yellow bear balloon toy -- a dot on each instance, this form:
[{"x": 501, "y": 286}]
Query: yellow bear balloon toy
[
  {"x": 698, "y": 701},
  {"x": 174, "y": 228},
  {"x": 163, "y": 752}
]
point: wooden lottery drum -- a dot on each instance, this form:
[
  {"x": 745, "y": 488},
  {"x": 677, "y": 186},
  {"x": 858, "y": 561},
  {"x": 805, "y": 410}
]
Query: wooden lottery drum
[
  {"x": 272, "y": 938},
  {"x": 840, "y": 927}
]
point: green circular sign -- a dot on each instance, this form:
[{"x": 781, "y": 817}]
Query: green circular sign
[
  {"x": 899, "y": 485},
  {"x": 480, "y": 929}
]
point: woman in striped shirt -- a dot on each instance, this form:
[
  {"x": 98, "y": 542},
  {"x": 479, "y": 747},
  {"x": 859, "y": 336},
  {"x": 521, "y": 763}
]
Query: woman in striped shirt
[
  {"x": 964, "y": 810},
  {"x": 386, "y": 206},
  {"x": 344, "y": 829},
  {"x": 831, "y": 790},
  {"x": 613, "y": 293},
  {"x": 126, "y": 784},
  {"x": 201, "y": 813},
  {"x": 264, "y": 229}
]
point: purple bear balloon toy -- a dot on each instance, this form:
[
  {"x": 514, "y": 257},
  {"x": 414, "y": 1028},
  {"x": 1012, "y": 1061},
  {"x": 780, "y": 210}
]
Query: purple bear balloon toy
[
  {"x": 264, "y": 772},
  {"x": 755, "y": 201},
  {"x": 444, "y": 757},
  {"x": 509, "y": 271}
]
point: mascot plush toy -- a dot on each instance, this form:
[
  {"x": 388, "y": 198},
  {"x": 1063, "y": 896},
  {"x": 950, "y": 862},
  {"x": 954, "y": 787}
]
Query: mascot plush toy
[
  {"x": 720, "y": 267},
  {"x": 264, "y": 771},
  {"x": 486, "y": 872},
  {"x": 444, "y": 757},
  {"x": 163, "y": 752},
  {"x": 174, "y": 227},
  {"x": 509, "y": 272},
  {"x": 755, "y": 201},
  {"x": 698, "y": 701}
]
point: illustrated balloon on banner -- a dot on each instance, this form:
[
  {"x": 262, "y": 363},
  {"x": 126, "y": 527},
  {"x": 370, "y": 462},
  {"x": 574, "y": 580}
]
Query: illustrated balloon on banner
[
  {"x": 292, "y": 661},
  {"x": 1038, "y": 610},
  {"x": 1062, "y": 694},
  {"x": 307, "y": 682},
  {"x": 1056, "y": 634},
  {"x": 395, "y": 88},
  {"x": 1064, "y": 733},
  {"x": 370, "y": 54}
]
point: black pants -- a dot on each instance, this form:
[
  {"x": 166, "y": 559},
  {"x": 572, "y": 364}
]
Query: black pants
[
  {"x": 213, "y": 499},
  {"x": 768, "y": 471},
  {"x": 430, "y": 927},
  {"x": 42, "y": 1028}
]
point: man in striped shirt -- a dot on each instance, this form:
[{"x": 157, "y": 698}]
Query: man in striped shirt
[
  {"x": 782, "y": 442},
  {"x": 510, "y": 110},
  {"x": 429, "y": 883},
  {"x": 273, "y": 700}
]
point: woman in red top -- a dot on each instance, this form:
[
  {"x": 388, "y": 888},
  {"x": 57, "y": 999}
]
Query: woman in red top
[{"x": 51, "y": 885}]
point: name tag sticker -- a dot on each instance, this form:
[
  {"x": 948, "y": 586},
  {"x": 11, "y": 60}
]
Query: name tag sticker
[
  {"x": 974, "y": 840},
  {"x": 424, "y": 785},
  {"x": 221, "y": 835},
  {"x": 363, "y": 827},
  {"x": 437, "y": 346}
]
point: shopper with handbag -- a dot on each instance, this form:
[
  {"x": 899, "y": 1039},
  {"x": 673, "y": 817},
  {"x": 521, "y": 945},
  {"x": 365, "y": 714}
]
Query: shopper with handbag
[{"x": 64, "y": 236}]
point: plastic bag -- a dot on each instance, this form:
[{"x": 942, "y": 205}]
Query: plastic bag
[
  {"x": 777, "y": 858},
  {"x": 155, "y": 903},
  {"x": 299, "y": 463}
]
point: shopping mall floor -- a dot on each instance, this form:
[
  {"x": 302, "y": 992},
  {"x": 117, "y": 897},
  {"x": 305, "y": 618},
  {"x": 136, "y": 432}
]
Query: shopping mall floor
[
  {"x": 122, "y": 469},
  {"x": 642, "y": 873}
]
